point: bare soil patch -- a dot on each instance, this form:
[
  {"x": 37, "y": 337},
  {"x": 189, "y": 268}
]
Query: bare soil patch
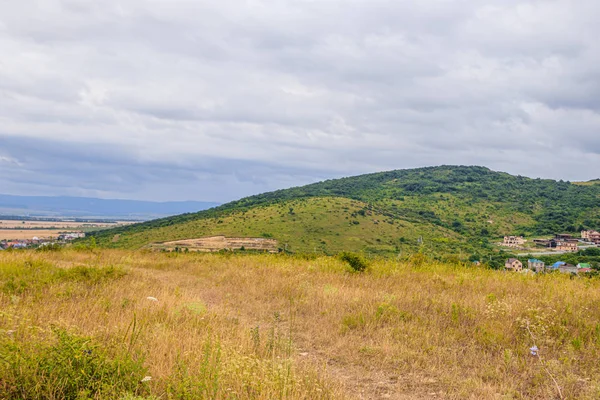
[{"x": 218, "y": 243}]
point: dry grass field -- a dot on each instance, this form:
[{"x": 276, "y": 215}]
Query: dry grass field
[
  {"x": 18, "y": 234},
  {"x": 141, "y": 325}
]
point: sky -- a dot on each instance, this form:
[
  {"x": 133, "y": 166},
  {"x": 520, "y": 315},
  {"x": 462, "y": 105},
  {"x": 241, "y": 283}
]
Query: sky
[{"x": 214, "y": 100}]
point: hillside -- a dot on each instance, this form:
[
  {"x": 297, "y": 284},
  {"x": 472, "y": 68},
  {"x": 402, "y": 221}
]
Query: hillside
[{"x": 452, "y": 208}]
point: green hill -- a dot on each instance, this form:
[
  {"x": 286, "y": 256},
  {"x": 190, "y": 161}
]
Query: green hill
[{"x": 451, "y": 208}]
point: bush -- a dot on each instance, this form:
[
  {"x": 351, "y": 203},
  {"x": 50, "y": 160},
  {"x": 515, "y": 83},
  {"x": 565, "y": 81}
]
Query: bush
[
  {"x": 66, "y": 367},
  {"x": 356, "y": 262}
]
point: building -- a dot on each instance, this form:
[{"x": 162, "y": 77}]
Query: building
[
  {"x": 567, "y": 245},
  {"x": 71, "y": 236},
  {"x": 584, "y": 267},
  {"x": 555, "y": 266},
  {"x": 536, "y": 265},
  {"x": 568, "y": 269},
  {"x": 513, "y": 264},
  {"x": 591, "y": 236},
  {"x": 559, "y": 242},
  {"x": 542, "y": 242},
  {"x": 513, "y": 241}
]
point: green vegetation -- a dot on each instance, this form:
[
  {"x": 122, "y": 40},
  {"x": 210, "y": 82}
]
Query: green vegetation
[
  {"x": 356, "y": 262},
  {"x": 447, "y": 209},
  {"x": 65, "y": 366}
]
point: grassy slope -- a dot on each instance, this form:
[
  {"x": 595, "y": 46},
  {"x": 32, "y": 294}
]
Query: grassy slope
[
  {"x": 326, "y": 225},
  {"x": 273, "y": 326},
  {"x": 429, "y": 202}
]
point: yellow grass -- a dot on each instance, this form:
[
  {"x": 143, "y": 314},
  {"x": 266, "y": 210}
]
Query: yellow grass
[
  {"x": 294, "y": 328},
  {"x": 17, "y": 230},
  {"x": 18, "y": 234}
]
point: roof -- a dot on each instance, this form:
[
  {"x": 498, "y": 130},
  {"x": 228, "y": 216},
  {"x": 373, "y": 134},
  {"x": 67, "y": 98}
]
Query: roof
[
  {"x": 568, "y": 266},
  {"x": 559, "y": 264},
  {"x": 512, "y": 260},
  {"x": 583, "y": 265},
  {"x": 535, "y": 260}
]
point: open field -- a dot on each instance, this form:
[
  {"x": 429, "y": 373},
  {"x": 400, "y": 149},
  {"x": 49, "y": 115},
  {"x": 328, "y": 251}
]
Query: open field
[
  {"x": 274, "y": 326},
  {"x": 18, "y": 234},
  {"x": 25, "y": 229}
]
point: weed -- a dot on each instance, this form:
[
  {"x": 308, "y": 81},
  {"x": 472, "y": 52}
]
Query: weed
[{"x": 68, "y": 367}]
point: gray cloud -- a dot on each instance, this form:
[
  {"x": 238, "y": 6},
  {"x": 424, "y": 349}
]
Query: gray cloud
[{"x": 175, "y": 100}]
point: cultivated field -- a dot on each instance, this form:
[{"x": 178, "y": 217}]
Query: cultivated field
[
  {"x": 18, "y": 234},
  {"x": 117, "y": 324},
  {"x": 17, "y": 229}
]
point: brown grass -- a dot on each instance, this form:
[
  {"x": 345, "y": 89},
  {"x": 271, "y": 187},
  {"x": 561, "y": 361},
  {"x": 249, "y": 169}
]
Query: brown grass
[
  {"x": 17, "y": 234},
  {"x": 17, "y": 230},
  {"x": 402, "y": 330}
]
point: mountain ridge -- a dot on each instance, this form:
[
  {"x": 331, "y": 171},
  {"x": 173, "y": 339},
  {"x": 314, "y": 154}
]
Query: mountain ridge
[{"x": 70, "y": 206}]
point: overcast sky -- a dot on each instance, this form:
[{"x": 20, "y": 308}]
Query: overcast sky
[{"x": 214, "y": 100}]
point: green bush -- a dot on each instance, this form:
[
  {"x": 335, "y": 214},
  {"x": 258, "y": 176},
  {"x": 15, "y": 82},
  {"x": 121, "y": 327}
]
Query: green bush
[
  {"x": 356, "y": 262},
  {"x": 66, "y": 367}
]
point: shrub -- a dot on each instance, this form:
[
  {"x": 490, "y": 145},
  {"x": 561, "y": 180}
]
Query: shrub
[
  {"x": 66, "y": 367},
  {"x": 356, "y": 262}
]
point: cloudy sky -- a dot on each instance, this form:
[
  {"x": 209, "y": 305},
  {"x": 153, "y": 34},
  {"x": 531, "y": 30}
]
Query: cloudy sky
[{"x": 214, "y": 100}]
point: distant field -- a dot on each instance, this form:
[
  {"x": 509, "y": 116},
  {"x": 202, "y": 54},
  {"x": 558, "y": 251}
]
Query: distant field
[
  {"x": 16, "y": 230},
  {"x": 115, "y": 324},
  {"x": 14, "y": 234}
]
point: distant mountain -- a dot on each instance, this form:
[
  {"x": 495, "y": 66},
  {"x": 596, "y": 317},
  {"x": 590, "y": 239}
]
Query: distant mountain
[
  {"x": 447, "y": 209},
  {"x": 87, "y": 207}
]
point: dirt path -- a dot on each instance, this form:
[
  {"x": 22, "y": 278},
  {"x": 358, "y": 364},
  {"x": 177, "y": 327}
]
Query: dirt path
[{"x": 357, "y": 381}]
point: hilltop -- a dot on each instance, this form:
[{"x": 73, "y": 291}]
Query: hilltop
[{"x": 447, "y": 209}]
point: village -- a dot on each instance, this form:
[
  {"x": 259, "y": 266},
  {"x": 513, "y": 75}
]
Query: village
[
  {"x": 37, "y": 242},
  {"x": 559, "y": 244}
]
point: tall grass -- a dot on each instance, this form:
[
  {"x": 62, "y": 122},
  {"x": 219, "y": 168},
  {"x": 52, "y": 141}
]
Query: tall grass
[{"x": 273, "y": 326}]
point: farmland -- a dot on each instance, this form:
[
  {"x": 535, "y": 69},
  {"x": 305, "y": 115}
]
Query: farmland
[
  {"x": 188, "y": 326},
  {"x": 15, "y": 229}
]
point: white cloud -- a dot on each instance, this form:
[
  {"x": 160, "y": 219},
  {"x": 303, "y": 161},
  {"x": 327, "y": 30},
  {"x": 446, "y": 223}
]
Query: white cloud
[{"x": 235, "y": 97}]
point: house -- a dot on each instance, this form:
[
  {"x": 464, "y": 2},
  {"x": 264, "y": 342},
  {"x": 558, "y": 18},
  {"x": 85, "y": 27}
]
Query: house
[
  {"x": 542, "y": 242},
  {"x": 513, "y": 264},
  {"x": 513, "y": 241},
  {"x": 568, "y": 269},
  {"x": 569, "y": 245},
  {"x": 556, "y": 265},
  {"x": 560, "y": 242},
  {"x": 584, "y": 267},
  {"x": 591, "y": 236},
  {"x": 536, "y": 265},
  {"x": 71, "y": 236}
]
